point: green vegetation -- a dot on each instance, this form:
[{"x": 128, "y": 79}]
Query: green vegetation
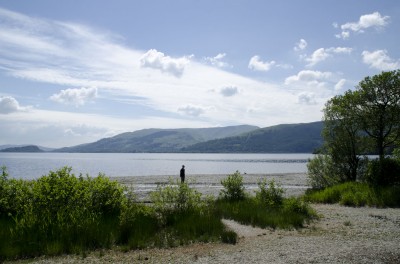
[
  {"x": 366, "y": 120},
  {"x": 356, "y": 194},
  {"x": 61, "y": 213},
  {"x": 267, "y": 209}
]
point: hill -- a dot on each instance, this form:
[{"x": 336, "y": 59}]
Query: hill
[
  {"x": 289, "y": 138},
  {"x": 158, "y": 140},
  {"x": 30, "y": 148}
]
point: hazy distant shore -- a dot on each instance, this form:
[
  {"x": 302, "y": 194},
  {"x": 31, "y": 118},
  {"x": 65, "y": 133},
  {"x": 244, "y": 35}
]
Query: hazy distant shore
[{"x": 292, "y": 183}]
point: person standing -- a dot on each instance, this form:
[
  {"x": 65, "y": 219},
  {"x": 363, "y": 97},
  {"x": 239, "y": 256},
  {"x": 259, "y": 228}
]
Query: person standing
[{"x": 182, "y": 174}]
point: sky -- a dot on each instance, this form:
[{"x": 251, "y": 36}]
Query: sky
[{"x": 73, "y": 72}]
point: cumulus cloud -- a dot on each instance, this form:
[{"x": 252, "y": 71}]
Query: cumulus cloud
[
  {"x": 191, "y": 110},
  {"x": 77, "y": 97},
  {"x": 374, "y": 20},
  {"x": 301, "y": 45},
  {"x": 308, "y": 76},
  {"x": 9, "y": 105},
  {"x": 217, "y": 60},
  {"x": 256, "y": 64},
  {"x": 379, "y": 59},
  {"x": 158, "y": 60},
  {"x": 307, "y": 98},
  {"x": 229, "y": 91},
  {"x": 322, "y": 54},
  {"x": 339, "y": 85}
]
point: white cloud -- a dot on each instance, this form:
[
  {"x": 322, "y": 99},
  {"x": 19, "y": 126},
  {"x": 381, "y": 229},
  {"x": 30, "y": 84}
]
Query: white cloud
[
  {"x": 379, "y": 59},
  {"x": 373, "y": 20},
  {"x": 339, "y": 85},
  {"x": 307, "y": 98},
  {"x": 312, "y": 87},
  {"x": 322, "y": 54},
  {"x": 308, "y": 76},
  {"x": 77, "y": 97},
  {"x": 157, "y": 60},
  {"x": 191, "y": 110},
  {"x": 218, "y": 61},
  {"x": 301, "y": 45},
  {"x": 9, "y": 105},
  {"x": 229, "y": 91},
  {"x": 256, "y": 64},
  {"x": 123, "y": 72}
]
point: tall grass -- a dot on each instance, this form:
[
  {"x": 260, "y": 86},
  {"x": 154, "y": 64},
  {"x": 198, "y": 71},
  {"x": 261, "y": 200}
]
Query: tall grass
[
  {"x": 356, "y": 194},
  {"x": 267, "y": 209}
]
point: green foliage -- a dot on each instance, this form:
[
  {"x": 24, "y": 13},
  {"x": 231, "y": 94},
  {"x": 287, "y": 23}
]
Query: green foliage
[
  {"x": 271, "y": 196},
  {"x": 138, "y": 226},
  {"x": 251, "y": 212},
  {"x": 356, "y": 194},
  {"x": 321, "y": 172},
  {"x": 60, "y": 213},
  {"x": 365, "y": 120},
  {"x": 267, "y": 209},
  {"x": 171, "y": 198},
  {"x": 184, "y": 216},
  {"x": 383, "y": 172},
  {"x": 233, "y": 187}
]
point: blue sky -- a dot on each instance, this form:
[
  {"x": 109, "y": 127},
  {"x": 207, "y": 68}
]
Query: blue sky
[{"x": 73, "y": 72}]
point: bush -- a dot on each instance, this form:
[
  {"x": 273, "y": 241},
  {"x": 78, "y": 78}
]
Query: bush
[
  {"x": 233, "y": 187},
  {"x": 184, "y": 216},
  {"x": 321, "y": 172},
  {"x": 171, "y": 198},
  {"x": 60, "y": 213},
  {"x": 271, "y": 196},
  {"x": 383, "y": 172},
  {"x": 356, "y": 194}
]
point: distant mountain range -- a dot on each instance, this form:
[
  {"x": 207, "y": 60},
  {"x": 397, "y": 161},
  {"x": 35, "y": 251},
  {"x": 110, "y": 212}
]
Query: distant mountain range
[
  {"x": 293, "y": 138},
  {"x": 159, "y": 140},
  {"x": 30, "y": 148},
  {"x": 289, "y": 138}
]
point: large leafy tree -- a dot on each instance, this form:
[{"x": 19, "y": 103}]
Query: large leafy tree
[
  {"x": 368, "y": 116},
  {"x": 342, "y": 135},
  {"x": 378, "y": 109}
]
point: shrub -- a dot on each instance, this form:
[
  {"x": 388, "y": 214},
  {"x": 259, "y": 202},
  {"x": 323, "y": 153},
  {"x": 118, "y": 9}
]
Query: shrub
[
  {"x": 178, "y": 197},
  {"x": 184, "y": 216},
  {"x": 298, "y": 205},
  {"x": 321, "y": 172},
  {"x": 233, "y": 187},
  {"x": 61, "y": 213},
  {"x": 383, "y": 172},
  {"x": 271, "y": 196},
  {"x": 356, "y": 194}
]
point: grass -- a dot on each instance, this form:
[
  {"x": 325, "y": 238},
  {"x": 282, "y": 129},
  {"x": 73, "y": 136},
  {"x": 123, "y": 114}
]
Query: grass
[
  {"x": 61, "y": 213},
  {"x": 356, "y": 194},
  {"x": 292, "y": 214}
]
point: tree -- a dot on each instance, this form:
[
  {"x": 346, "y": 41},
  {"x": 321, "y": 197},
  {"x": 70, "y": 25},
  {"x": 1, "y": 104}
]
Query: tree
[
  {"x": 368, "y": 116},
  {"x": 343, "y": 141},
  {"x": 378, "y": 109}
]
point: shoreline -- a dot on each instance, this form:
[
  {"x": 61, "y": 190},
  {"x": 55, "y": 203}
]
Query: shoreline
[{"x": 294, "y": 184}]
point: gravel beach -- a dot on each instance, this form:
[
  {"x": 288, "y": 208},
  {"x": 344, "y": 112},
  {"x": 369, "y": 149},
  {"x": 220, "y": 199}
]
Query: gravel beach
[
  {"x": 341, "y": 235},
  {"x": 293, "y": 183}
]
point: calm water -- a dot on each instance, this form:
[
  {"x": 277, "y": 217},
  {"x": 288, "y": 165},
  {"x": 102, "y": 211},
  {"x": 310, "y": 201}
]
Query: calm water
[{"x": 34, "y": 165}]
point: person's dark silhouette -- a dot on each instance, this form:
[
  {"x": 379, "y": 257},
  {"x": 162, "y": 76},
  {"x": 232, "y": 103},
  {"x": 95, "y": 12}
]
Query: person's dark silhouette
[{"x": 182, "y": 174}]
